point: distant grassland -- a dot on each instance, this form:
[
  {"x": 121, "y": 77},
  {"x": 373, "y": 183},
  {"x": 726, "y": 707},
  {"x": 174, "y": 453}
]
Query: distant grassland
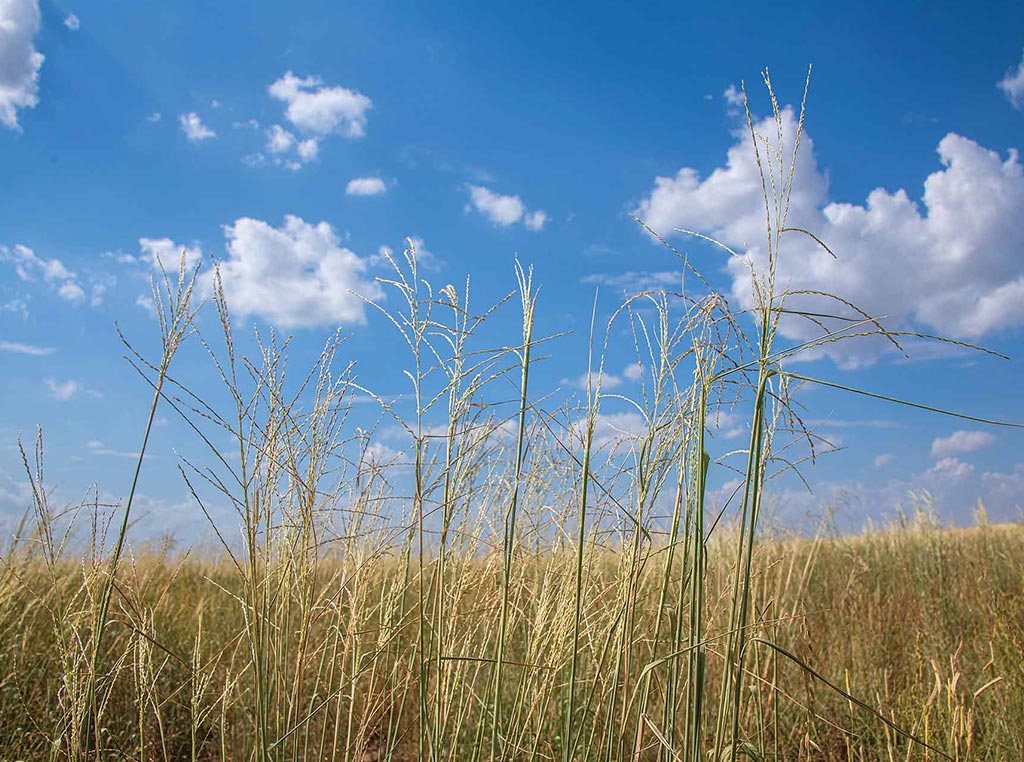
[{"x": 925, "y": 624}]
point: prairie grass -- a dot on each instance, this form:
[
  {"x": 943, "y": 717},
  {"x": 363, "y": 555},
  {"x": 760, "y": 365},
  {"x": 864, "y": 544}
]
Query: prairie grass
[{"x": 522, "y": 578}]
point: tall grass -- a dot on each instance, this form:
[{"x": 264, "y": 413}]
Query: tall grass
[{"x": 517, "y": 580}]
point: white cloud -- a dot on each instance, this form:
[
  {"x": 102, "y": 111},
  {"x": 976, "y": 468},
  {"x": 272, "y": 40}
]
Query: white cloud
[
  {"x": 279, "y": 140},
  {"x": 194, "y": 128},
  {"x": 951, "y": 470},
  {"x": 609, "y": 381},
  {"x": 18, "y": 305},
  {"x": 535, "y": 220},
  {"x": 308, "y": 149},
  {"x": 163, "y": 253},
  {"x": 614, "y": 428},
  {"x": 883, "y": 459},
  {"x": 156, "y": 116},
  {"x": 502, "y": 210},
  {"x": 365, "y": 186},
  {"x": 319, "y": 109},
  {"x": 19, "y": 60},
  {"x": 960, "y": 442},
  {"x": 1012, "y": 85},
  {"x": 25, "y": 349},
  {"x": 425, "y": 258},
  {"x": 63, "y": 390},
  {"x": 952, "y": 267},
  {"x": 634, "y": 282},
  {"x": 71, "y": 22},
  {"x": 295, "y": 275},
  {"x": 288, "y": 151},
  {"x": 30, "y": 267},
  {"x": 733, "y": 96},
  {"x": 96, "y": 447}
]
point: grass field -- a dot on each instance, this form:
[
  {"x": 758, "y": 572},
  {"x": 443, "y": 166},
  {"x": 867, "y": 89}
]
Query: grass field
[
  {"x": 922, "y": 623},
  {"x": 525, "y": 579}
]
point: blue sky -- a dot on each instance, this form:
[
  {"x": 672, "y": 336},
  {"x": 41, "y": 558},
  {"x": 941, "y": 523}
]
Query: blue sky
[{"x": 298, "y": 139}]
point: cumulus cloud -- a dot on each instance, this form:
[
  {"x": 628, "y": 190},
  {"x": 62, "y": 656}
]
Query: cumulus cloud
[
  {"x": 503, "y": 210},
  {"x": 19, "y": 60},
  {"x": 287, "y": 150},
  {"x": 29, "y": 268},
  {"x": 960, "y": 442},
  {"x": 279, "y": 140},
  {"x": 297, "y": 275},
  {"x": 165, "y": 254},
  {"x": 951, "y": 264},
  {"x": 319, "y": 109},
  {"x": 194, "y": 129},
  {"x": 71, "y": 22},
  {"x": 25, "y": 349},
  {"x": 883, "y": 459},
  {"x": 500, "y": 210},
  {"x": 365, "y": 186},
  {"x": 1012, "y": 85}
]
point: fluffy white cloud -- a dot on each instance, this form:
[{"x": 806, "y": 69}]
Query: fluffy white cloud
[
  {"x": 71, "y": 22},
  {"x": 535, "y": 220},
  {"x": 279, "y": 140},
  {"x": 163, "y": 253},
  {"x": 960, "y": 442},
  {"x": 25, "y": 349},
  {"x": 319, "y": 109},
  {"x": 287, "y": 150},
  {"x": 19, "y": 60},
  {"x": 30, "y": 267},
  {"x": 1012, "y": 85},
  {"x": 502, "y": 210},
  {"x": 194, "y": 128},
  {"x": 294, "y": 276},
  {"x": 365, "y": 186},
  {"x": 953, "y": 266}
]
